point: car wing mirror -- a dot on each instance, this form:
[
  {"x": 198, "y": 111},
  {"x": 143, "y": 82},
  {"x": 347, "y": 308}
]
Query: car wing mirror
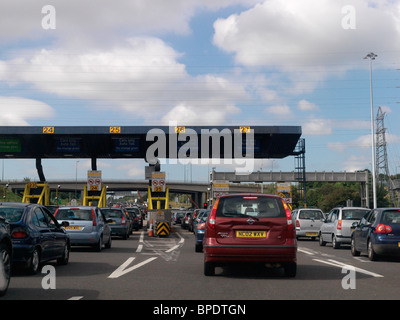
[{"x": 65, "y": 224}]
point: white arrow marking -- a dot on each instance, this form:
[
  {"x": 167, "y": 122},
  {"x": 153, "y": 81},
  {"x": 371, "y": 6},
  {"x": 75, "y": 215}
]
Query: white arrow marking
[{"x": 122, "y": 268}]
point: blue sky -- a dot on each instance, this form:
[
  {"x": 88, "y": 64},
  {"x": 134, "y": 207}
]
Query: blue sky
[{"x": 228, "y": 62}]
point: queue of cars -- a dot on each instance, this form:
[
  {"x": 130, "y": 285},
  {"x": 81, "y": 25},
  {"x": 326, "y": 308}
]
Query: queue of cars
[
  {"x": 261, "y": 228},
  {"x": 31, "y": 235},
  {"x": 374, "y": 232}
]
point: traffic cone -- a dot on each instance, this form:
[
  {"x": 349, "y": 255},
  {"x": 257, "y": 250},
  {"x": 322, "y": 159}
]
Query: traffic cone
[{"x": 151, "y": 233}]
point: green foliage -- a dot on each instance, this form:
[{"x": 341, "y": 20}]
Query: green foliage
[{"x": 328, "y": 195}]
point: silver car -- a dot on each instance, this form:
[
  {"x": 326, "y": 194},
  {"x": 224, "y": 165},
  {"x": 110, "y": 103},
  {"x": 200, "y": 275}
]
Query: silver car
[
  {"x": 308, "y": 222},
  {"x": 87, "y": 226},
  {"x": 337, "y": 226}
]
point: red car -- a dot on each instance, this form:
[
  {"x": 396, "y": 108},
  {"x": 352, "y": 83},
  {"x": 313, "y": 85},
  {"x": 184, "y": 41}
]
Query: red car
[{"x": 250, "y": 228}]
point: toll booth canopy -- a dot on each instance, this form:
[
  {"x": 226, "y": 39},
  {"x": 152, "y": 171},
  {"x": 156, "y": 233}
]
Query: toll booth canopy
[{"x": 135, "y": 141}]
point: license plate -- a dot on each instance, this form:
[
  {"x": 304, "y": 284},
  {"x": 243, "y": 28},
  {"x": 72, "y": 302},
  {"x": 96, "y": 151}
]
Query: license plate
[
  {"x": 73, "y": 228},
  {"x": 250, "y": 234},
  {"x": 311, "y": 233}
]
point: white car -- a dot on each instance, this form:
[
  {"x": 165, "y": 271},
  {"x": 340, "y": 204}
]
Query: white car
[
  {"x": 337, "y": 226},
  {"x": 308, "y": 222}
]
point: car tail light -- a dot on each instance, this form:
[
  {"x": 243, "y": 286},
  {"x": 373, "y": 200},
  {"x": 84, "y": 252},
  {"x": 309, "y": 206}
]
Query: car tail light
[
  {"x": 19, "y": 234},
  {"x": 213, "y": 213},
  {"x": 339, "y": 225},
  {"x": 123, "y": 220},
  {"x": 201, "y": 226},
  {"x": 383, "y": 228},
  {"x": 94, "y": 218},
  {"x": 289, "y": 219},
  {"x": 297, "y": 224}
]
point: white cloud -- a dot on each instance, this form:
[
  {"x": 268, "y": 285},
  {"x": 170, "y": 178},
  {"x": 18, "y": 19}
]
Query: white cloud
[
  {"x": 305, "y": 105},
  {"x": 102, "y": 22},
  {"x": 193, "y": 115},
  {"x": 307, "y": 37},
  {"x": 363, "y": 141},
  {"x": 141, "y": 76},
  {"x": 279, "y": 110},
  {"x": 355, "y": 162},
  {"x": 316, "y": 127},
  {"x": 17, "y": 111}
]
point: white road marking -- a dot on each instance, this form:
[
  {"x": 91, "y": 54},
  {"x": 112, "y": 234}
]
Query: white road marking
[
  {"x": 342, "y": 265},
  {"x": 140, "y": 246},
  {"x": 305, "y": 251},
  {"x": 76, "y": 298},
  {"x": 121, "y": 270},
  {"x": 178, "y": 245}
]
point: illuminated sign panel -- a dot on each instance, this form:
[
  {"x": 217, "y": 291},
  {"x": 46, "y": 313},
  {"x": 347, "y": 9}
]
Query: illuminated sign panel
[
  {"x": 68, "y": 145},
  {"x": 126, "y": 145},
  {"x": 10, "y": 145},
  {"x": 136, "y": 141}
]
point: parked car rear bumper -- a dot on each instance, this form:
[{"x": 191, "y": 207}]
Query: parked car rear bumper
[
  {"x": 267, "y": 254},
  {"x": 22, "y": 253},
  {"x": 84, "y": 239}
]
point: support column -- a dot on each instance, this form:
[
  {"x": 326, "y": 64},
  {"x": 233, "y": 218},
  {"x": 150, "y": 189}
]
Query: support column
[{"x": 39, "y": 169}]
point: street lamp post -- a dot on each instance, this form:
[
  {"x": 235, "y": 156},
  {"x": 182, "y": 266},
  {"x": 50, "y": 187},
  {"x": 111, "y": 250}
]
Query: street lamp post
[{"x": 371, "y": 56}]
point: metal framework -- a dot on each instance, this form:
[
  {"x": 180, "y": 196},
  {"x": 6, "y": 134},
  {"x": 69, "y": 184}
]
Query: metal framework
[{"x": 382, "y": 168}]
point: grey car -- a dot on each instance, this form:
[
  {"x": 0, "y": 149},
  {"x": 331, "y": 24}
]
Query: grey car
[
  {"x": 308, "y": 222},
  {"x": 120, "y": 224},
  {"x": 87, "y": 226},
  {"x": 336, "y": 228}
]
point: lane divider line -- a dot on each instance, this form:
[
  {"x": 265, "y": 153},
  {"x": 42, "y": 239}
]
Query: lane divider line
[{"x": 343, "y": 265}]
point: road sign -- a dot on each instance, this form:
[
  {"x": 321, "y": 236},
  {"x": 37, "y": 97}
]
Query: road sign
[
  {"x": 220, "y": 187},
  {"x": 94, "y": 180},
  {"x": 158, "y": 182},
  {"x": 283, "y": 187}
]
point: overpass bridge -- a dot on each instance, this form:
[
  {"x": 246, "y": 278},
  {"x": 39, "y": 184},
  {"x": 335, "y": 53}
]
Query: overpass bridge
[{"x": 198, "y": 190}]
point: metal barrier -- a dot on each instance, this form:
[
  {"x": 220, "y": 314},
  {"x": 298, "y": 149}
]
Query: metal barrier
[
  {"x": 37, "y": 193},
  {"x": 100, "y": 197}
]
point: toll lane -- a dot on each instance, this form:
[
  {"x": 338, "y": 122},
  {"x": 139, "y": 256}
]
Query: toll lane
[{"x": 153, "y": 268}]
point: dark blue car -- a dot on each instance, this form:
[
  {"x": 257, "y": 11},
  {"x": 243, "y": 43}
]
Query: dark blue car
[
  {"x": 200, "y": 229},
  {"x": 377, "y": 234},
  {"x": 36, "y": 235},
  {"x": 5, "y": 255}
]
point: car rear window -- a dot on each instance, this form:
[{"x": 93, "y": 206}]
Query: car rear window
[
  {"x": 112, "y": 213},
  {"x": 11, "y": 214},
  {"x": 74, "y": 214},
  {"x": 253, "y": 206},
  {"x": 354, "y": 214},
  {"x": 310, "y": 214},
  {"x": 391, "y": 217},
  {"x": 133, "y": 210}
]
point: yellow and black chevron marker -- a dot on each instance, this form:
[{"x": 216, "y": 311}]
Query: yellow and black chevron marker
[{"x": 163, "y": 229}]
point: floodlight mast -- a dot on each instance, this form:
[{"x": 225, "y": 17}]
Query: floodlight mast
[{"x": 371, "y": 56}]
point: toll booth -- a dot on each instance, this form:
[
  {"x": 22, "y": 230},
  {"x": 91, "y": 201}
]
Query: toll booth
[
  {"x": 159, "y": 215},
  {"x": 95, "y": 198},
  {"x": 160, "y": 220},
  {"x": 36, "y": 193}
]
